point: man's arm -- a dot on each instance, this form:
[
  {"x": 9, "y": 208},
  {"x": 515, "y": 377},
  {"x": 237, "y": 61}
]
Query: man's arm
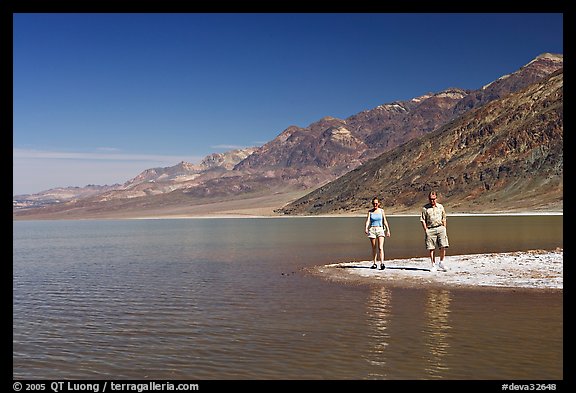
[{"x": 423, "y": 219}]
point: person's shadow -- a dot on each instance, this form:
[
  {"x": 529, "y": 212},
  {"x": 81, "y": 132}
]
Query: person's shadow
[{"x": 387, "y": 267}]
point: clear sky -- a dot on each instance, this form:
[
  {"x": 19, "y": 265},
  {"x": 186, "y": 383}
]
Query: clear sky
[{"x": 98, "y": 98}]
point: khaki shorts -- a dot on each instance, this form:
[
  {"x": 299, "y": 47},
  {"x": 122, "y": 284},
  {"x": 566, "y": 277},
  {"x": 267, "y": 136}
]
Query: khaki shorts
[
  {"x": 436, "y": 237},
  {"x": 374, "y": 232}
]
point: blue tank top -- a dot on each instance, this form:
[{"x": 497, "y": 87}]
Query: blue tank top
[{"x": 376, "y": 219}]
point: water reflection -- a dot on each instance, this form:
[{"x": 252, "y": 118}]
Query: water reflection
[
  {"x": 379, "y": 312},
  {"x": 207, "y": 293},
  {"x": 438, "y": 331}
]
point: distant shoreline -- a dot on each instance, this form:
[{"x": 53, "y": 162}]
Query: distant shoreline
[
  {"x": 346, "y": 215},
  {"x": 241, "y": 215}
]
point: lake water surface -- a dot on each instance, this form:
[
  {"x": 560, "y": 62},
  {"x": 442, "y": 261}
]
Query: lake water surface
[{"x": 227, "y": 299}]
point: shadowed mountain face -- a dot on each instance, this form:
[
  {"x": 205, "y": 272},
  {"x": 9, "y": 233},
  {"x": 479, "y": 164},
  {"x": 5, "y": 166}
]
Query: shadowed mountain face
[
  {"x": 299, "y": 160},
  {"x": 504, "y": 156},
  {"x": 337, "y": 146}
]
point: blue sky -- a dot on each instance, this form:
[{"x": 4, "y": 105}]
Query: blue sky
[{"x": 98, "y": 98}]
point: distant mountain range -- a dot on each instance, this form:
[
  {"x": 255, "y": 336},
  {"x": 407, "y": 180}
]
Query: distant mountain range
[
  {"x": 502, "y": 143},
  {"x": 506, "y": 155}
]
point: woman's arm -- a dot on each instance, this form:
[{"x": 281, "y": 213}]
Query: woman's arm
[
  {"x": 367, "y": 222},
  {"x": 385, "y": 221}
]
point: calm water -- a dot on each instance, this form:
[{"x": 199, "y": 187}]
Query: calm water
[{"x": 227, "y": 299}]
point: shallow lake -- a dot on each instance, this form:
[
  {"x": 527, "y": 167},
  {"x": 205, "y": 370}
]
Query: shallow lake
[{"x": 227, "y": 299}]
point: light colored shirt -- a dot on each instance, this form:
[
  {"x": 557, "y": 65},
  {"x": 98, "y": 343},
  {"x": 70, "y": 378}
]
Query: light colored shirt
[
  {"x": 433, "y": 216},
  {"x": 376, "y": 218}
]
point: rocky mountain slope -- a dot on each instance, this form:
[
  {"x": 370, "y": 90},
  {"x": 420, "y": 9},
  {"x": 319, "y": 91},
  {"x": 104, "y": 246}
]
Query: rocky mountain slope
[
  {"x": 504, "y": 156},
  {"x": 298, "y": 160},
  {"x": 338, "y": 145},
  {"x": 152, "y": 181},
  {"x": 59, "y": 195}
]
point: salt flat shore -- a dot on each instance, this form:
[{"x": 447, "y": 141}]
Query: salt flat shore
[
  {"x": 339, "y": 215},
  {"x": 535, "y": 269}
]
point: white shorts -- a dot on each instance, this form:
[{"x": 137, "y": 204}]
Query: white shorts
[{"x": 374, "y": 232}]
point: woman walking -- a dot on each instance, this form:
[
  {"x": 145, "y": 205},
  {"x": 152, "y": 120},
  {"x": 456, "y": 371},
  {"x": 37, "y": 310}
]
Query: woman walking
[{"x": 377, "y": 229}]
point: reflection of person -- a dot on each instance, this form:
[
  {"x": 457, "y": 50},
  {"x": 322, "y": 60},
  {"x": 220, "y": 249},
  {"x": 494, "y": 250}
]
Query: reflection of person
[
  {"x": 433, "y": 219},
  {"x": 377, "y": 228}
]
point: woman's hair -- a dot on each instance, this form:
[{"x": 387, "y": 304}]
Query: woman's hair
[{"x": 376, "y": 199}]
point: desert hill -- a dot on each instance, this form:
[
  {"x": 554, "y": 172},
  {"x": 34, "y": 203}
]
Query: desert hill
[
  {"x": 504, "y": 156},
  {"x": 299, "y": 160}
]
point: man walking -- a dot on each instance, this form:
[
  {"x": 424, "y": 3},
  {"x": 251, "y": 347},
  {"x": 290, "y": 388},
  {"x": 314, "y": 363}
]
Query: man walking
[{"x": 433, "y": 219}]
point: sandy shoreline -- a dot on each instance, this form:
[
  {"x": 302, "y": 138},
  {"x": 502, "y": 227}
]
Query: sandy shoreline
[
  {"x": 342, "y": 215},
  {"x": 535, "y": 269}
]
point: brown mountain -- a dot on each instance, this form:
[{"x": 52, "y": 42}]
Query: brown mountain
[
  {"x": 506, "y": 155},
  {"x": 533, "y": 72},
  {"x": 337, "y": 146},
  {"x": 153, "y": 181},
  {"x": 298, "y": 160},
  {"x": 182, "y": 176},
  {"x": 59, "y": 195}
]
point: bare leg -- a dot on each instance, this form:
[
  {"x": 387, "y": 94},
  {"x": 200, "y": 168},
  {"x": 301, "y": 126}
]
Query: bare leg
[
  {"x": 442, "y": 253},
  {"x": 381, "y": 249},
  {"x": 432, "y": 256},
  {"x": 374, "y": 250}
]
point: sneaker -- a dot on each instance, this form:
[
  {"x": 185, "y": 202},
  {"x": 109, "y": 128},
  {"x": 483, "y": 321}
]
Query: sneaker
[
  {"x": 433, "y": 268},
  {"x": 382, "y": 267},
  {"x": 442, "y": 267},
  {"x": 374, "y": 266}
]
